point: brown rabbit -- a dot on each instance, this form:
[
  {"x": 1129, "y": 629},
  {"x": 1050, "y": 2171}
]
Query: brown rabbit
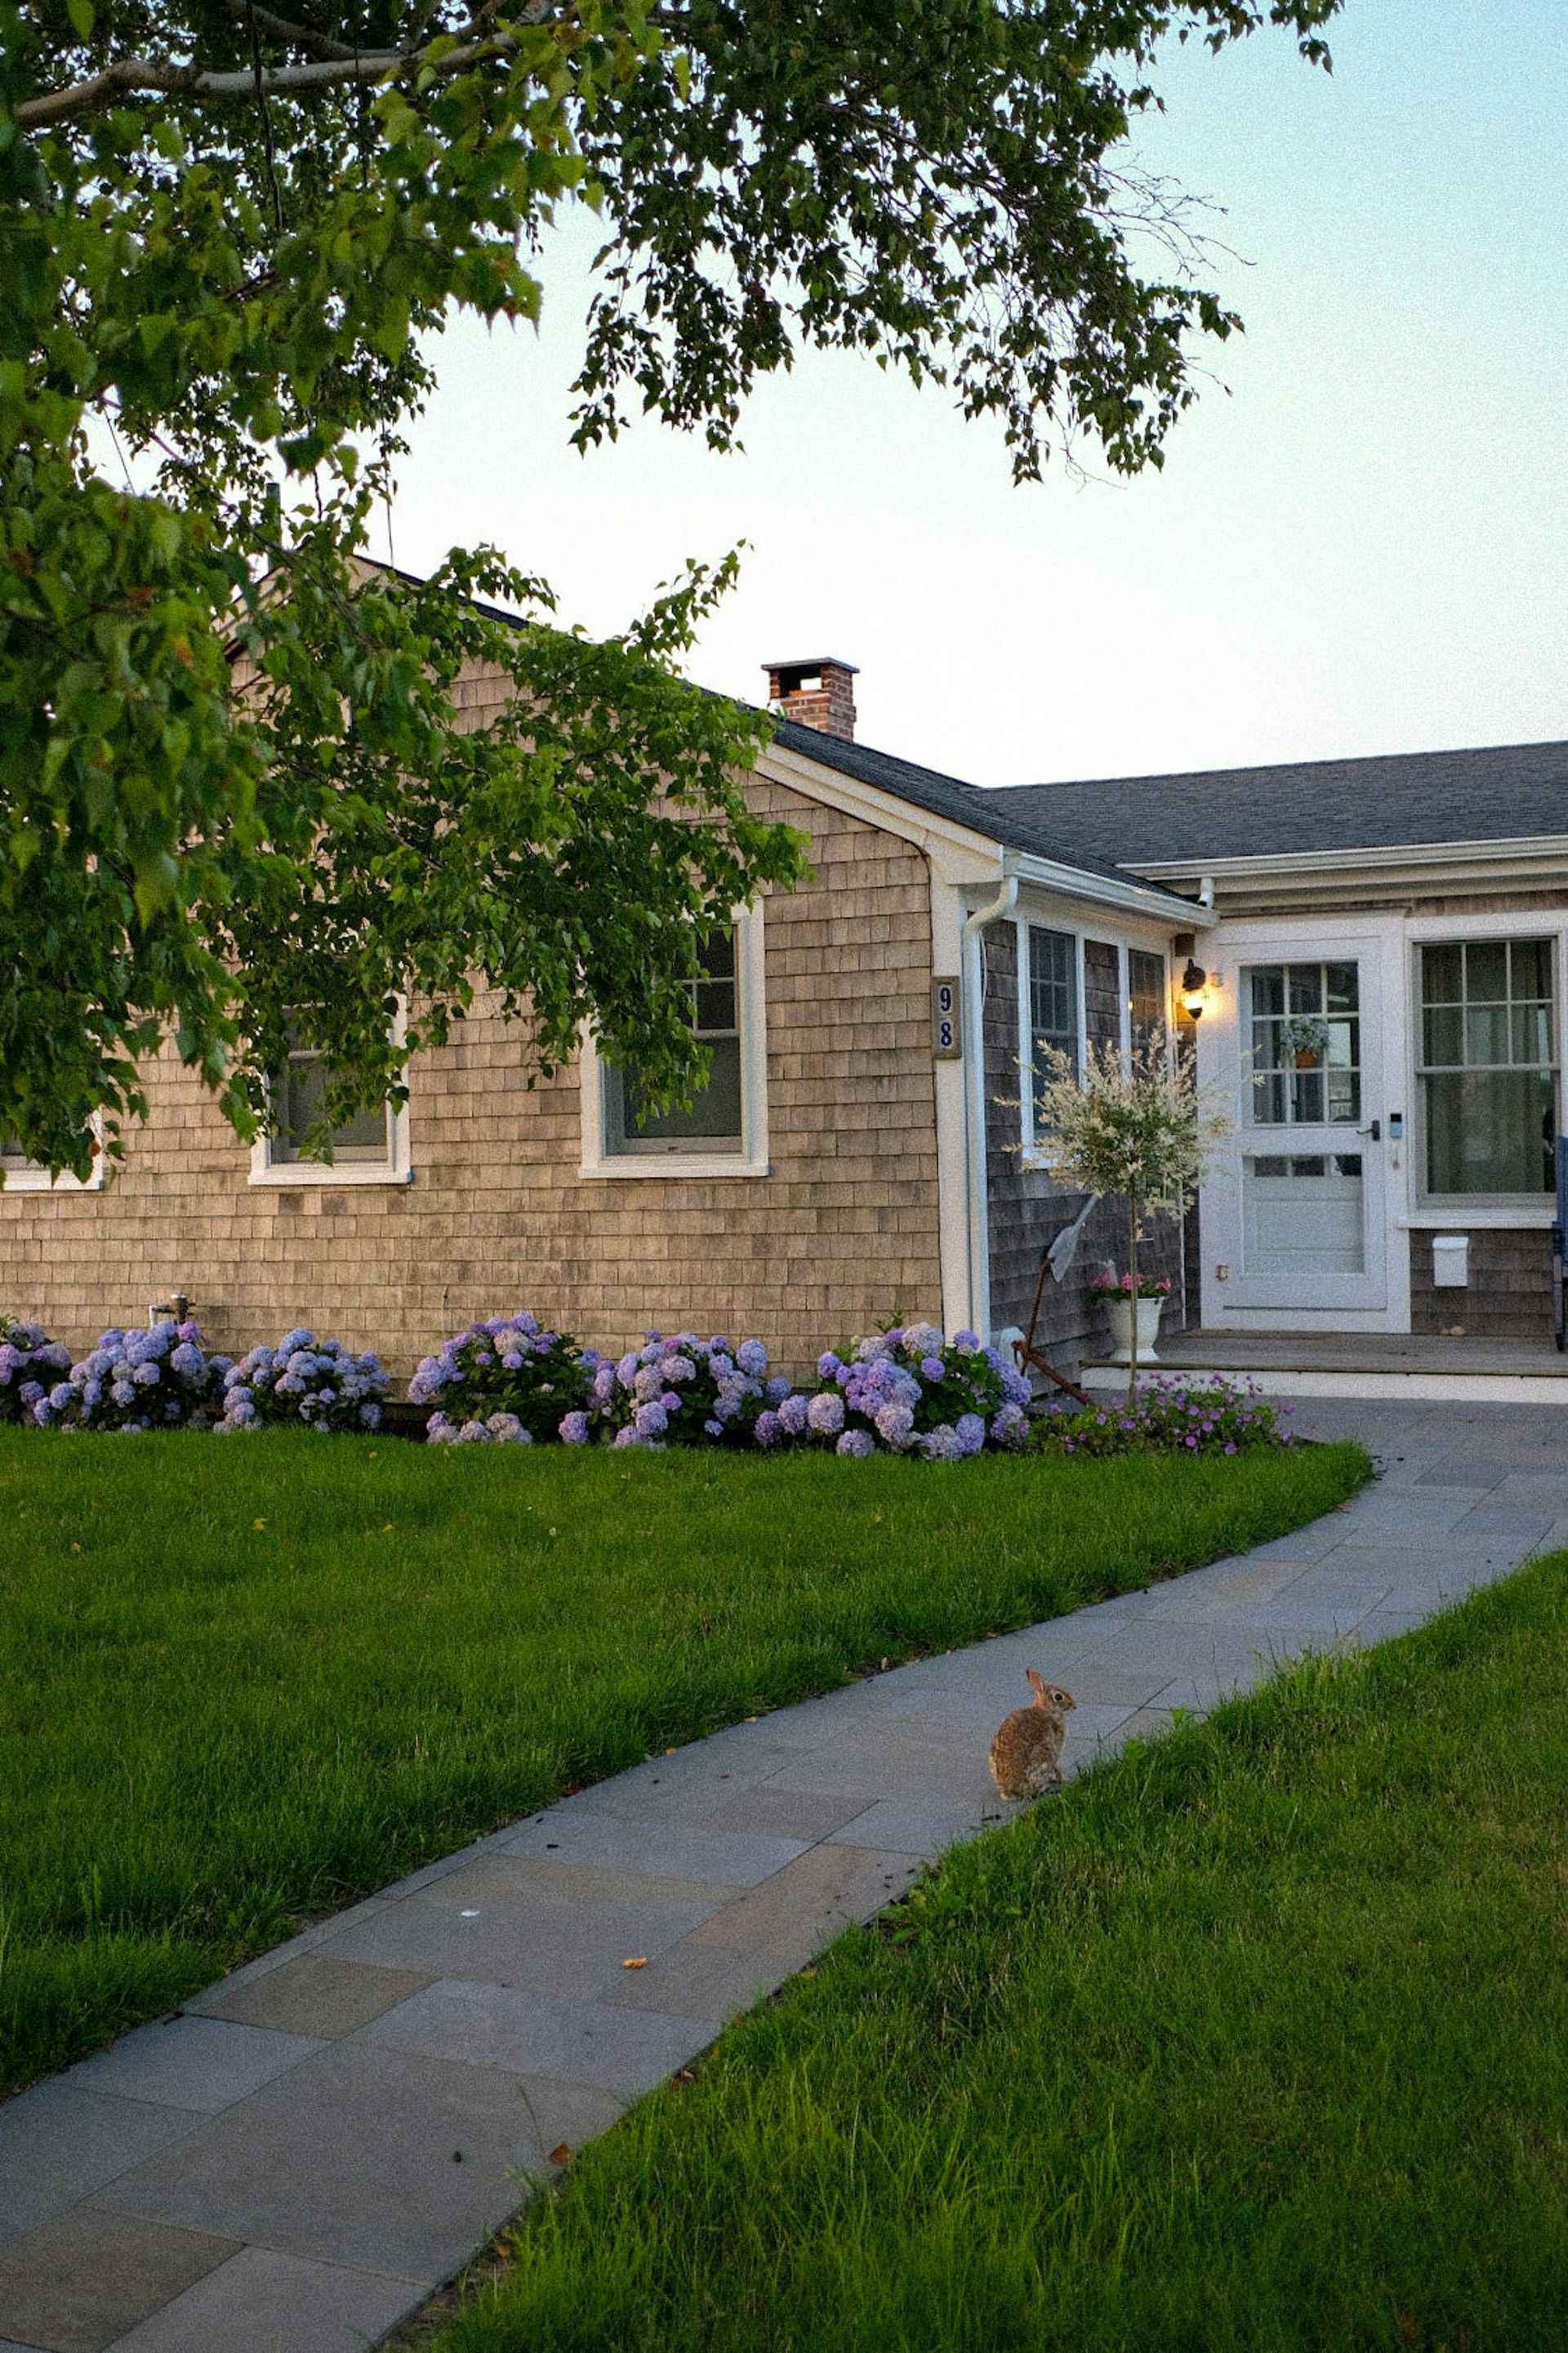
[{"x": 1025, "y": 1756}]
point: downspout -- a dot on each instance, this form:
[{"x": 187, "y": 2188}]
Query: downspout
[{"x": 973, "y": 983}]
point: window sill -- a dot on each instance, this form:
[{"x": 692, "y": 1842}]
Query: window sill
[
  {"x": 1481, "y": 1214},
  {"x": 316, "y": 1173},
  {"x": 674, "y": 1165},
  {"x": 39, "y": 1180}
]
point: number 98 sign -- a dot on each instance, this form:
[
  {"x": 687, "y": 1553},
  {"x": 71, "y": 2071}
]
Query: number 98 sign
[{"x": 947, "y": 1040}]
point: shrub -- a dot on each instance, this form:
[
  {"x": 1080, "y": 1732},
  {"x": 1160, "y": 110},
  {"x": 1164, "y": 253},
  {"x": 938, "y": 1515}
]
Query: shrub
[
  {"x": 503, "y": 1379},
  {"x": 911, "y": 1391},
  {"x": 679, "y": 1391},
  {"x": 1165, "y": 1417},
  {"x": 158, "y": 1379},
  {"x": 31, "y": 1365},
  {"x": 318, "y": 1382}
]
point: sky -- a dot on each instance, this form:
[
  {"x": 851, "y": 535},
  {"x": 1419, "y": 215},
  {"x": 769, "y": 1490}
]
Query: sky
[{"x": 1358, "y": 542}]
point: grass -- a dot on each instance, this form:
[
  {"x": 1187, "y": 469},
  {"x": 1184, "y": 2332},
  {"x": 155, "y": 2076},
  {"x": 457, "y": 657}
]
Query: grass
[
  {"x": 243, "y": 1680},
  {"x": 1257, "y": 2038}
]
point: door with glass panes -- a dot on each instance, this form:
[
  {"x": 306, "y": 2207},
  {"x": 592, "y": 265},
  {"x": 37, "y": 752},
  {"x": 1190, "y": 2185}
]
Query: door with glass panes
[{"x": 1310, "y": 1215}]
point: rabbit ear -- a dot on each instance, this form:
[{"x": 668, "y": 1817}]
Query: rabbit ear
[{"x": 1037, "y": 1682}]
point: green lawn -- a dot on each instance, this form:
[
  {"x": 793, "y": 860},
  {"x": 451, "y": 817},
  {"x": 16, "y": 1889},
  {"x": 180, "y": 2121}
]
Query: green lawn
[
  {"x": 243, "y": 1680},
  {"x": 1255, "y": 2039}
]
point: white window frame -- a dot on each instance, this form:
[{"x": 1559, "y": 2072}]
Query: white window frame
[
  {"x": 32, "y": 1177},
  {"x": 1039, "y": 1154},
  {"x": 599, "y": 1159},
  {"x": 396, "y": 1169},
  {"x": 1508, "y": 1212}
]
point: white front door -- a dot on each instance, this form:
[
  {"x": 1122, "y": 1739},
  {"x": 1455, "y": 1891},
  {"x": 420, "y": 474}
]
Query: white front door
[{"x": 1298, "y": 1219}]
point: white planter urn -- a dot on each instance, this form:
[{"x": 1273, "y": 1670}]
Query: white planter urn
[{"x": 1121, "y": 1312}]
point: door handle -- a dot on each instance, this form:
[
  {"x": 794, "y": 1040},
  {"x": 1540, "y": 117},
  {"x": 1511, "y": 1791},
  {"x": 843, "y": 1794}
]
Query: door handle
[{"x": 1372, "y": 1128}]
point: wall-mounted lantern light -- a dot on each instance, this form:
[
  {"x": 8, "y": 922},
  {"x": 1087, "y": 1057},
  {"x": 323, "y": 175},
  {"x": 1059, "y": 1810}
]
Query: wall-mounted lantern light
[{"x": 1194, "y": 981}]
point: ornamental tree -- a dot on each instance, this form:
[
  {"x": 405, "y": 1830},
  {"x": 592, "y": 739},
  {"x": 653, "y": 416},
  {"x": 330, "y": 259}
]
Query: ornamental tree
[
  {"x": 1129, "y": 1124},
  {"x": 230, "y": 234}
]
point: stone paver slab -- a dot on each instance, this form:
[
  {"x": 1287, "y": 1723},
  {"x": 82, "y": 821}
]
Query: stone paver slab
[
  {"x": 78, "y": 2284},
  {"x": 60, "y": 2143},
  {"x": 774, "y": 1811},
  {"x": 828, "y": 1887},
  {"x": 381, "y": 2159},
  {"x": 264, "y": 2302},
  {"x": 710, "y": 1982},
  {"x": 722, "y": 1858},
  {"x": 917, "y": 1826},
  {"x": 608, "y": 2046},
  {"x": 316, "y": 1995},
  {"x": 542, "y": 1945},
  {"x": 193, "y": 2062}
]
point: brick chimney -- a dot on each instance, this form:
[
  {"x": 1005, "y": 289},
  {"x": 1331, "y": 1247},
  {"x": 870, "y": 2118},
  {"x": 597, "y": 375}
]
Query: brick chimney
[{"x": 819, "y": 694}]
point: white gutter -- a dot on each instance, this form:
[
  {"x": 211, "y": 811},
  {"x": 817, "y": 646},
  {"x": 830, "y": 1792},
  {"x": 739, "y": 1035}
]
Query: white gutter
[
  {"x": 1393, "y": 858},
  {"x": 1106, "y": 891},
  {"x": 973, "y": 983}
]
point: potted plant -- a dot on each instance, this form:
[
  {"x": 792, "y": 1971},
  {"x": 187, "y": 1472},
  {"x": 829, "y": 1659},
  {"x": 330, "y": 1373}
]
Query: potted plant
[
  {"x": 1134, "y": 1312},
  {"x": 1302, "y": 1039},
  {"x": 1129, "y": 1125}
]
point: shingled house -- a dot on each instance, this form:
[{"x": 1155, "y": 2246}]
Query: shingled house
[{"x": 1383, "y": 950}]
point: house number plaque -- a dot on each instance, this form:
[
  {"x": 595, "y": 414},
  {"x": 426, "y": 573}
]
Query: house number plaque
[{"x": 947, "y": 1041}]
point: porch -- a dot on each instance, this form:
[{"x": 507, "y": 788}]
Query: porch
[{"x": 1419, "y": 1367}]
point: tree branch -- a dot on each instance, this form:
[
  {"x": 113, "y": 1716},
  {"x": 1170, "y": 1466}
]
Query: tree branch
[
  {"x": 287, "y": 30},
  {"x": 129, "y": 74}
]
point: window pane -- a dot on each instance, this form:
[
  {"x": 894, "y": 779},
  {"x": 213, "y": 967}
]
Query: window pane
[
  {"x": 1532, "y": 1033},
  {"x": 1486, "y": 1034},
  {"x": 1145, "y": 996},
  {"x": 1268, "y": 1101},
  {"x": 1307, "y": 1098},
  {"x": 712, "y": 1118},
  {"x": 715, "y": 1007},
  {"x": 1341, "y": 981},
  {"x": 1445, "y": 1035},
  {"x": 716, "y": 953},
  {"x": 1491, "y": 1131},
  {"x": 1306, "y": 989},
  {"x": 1343, "y": 1097},
  {"x": 1486, "y": 971},
  {"x": 1442, "y": 975},
  {"x": 711, "y": 1121},
  {"x": 1531, "y": 962},
  {"x": 363, "y": 1141},
  {"x": 1267, "y": 989},
  {"x": 1053, "y": 995}
]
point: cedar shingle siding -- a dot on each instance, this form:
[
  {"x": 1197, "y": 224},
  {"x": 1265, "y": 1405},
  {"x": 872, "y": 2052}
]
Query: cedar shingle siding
[{"x": 843, "y": 1231}]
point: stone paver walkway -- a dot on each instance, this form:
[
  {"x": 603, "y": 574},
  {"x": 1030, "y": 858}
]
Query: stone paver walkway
[{"x": 295, "y": 2162}]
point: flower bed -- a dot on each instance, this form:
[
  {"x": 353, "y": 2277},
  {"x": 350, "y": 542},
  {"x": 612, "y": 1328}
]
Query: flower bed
[
  {"x": 1166, "y": 1418},
  {"x": 161, "y": 1378},
  {"x": 910, "y": 1391},
  {"x": 318, "y": 1382},
  {"x": 31, "y": 1365},
  {"x": 505, "y": 1380},
  {"x": 681, "y": 1392}
]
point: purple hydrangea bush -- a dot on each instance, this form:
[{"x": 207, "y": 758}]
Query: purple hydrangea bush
[
  {"x": 318, "y": 1382},
  {"x": 679, "y": 1391},
  {"x": 911, "y": 1390},
  {"x": 158, "y": 1379},
  {"x": 31, "y": 1365},
  {"x": 1167, "y": 1418},
  {"x": 505, "y": 1380}
]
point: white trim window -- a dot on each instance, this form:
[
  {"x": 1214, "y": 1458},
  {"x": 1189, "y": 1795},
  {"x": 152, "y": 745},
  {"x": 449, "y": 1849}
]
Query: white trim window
[
  {"x": 1147, "y": 996},
  {"x": 1487, "y": 1068},
  {"x": 722, "y": 1131},
  {"x": 370, "y": 1149},
  {"x": 25, "y": 1176},
  {"x": 1055, "y": 988}
]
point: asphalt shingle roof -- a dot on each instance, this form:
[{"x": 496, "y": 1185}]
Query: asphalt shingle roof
[
  {"x": 988, "y": 813},
  {"x": 1395, "y": 800}
]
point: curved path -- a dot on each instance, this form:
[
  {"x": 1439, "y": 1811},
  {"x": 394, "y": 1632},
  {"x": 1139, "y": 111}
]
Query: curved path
[{"x": 297, "y": 2160}]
